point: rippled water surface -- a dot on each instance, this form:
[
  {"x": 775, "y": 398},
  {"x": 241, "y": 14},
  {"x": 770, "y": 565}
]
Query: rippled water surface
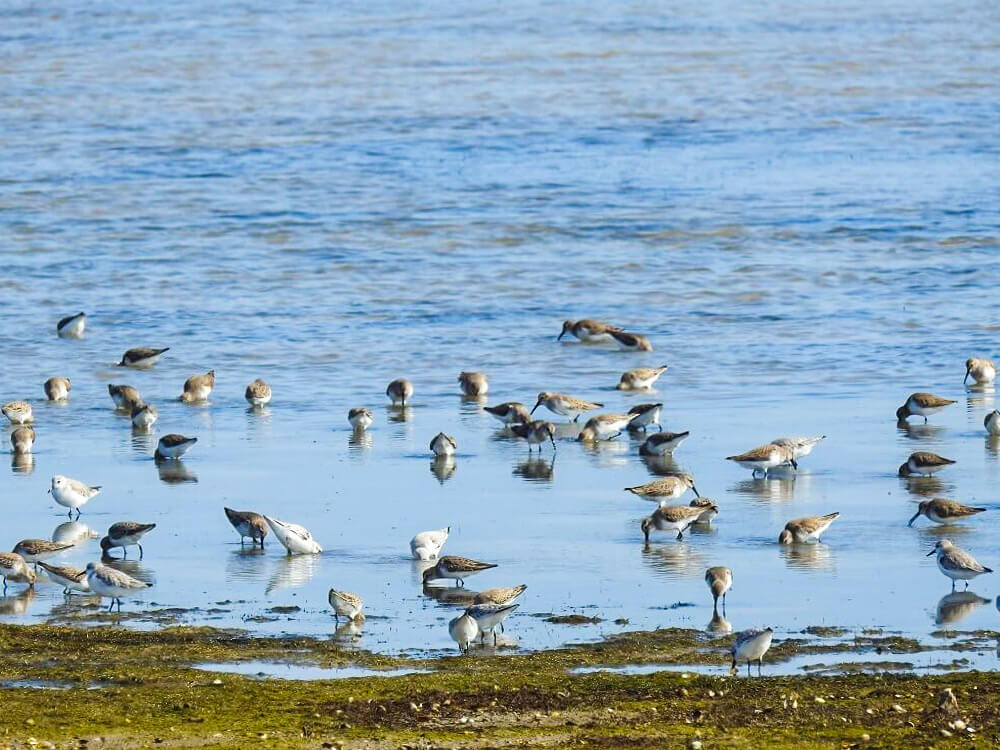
[{"x": 797, "y": 202}]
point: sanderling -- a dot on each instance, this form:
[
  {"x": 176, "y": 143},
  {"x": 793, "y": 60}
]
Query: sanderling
[
  {"x": 22, "y": 440},
  {"x": 489, "y": 616},
  {"x": 566, "y": 406},
  {"x": 923, "y": 463},
  {"x": 258, "y": 393},
  {"x": 125, "y": 534},
  {"x": 474, "y": 383},
  {"x": 125, "y": 397},
  {"x": 198, "y": 387},
  {"x": 764, "y": 458},
  {"x": 800, "y": 446},
  {"x": 463, "y": 630},
  {"x": 18, "y": 412},
  {"x": 106, "y": 581},
  {"x": 633, "y": 342},
  {"x": 456, "y": 568},
  {"x": 536, "y": 433},
  {"x": 500, "y": 595},
  {"x": 604, "y": 427},
  {"x": 922, "y": 404},
  {"x": 141, "y": 357},
  {"x": 645, "y": 415},
  {"x": 248, "y": 524},
  {"x": 296, "y": 539},
  {"x": 144, "y": 415},
  {"x": 360, "y": 418},
  {"x": 982, "y": 370},
  {"x": 33, "y": 550},
  {"x": 72, "y": 327},
  {"x": 709, "y": 510},
  {"x": 427, "y": 544},
  {"x": 14, "y": 568},
  {"x": 671, "y": 518},
  {"x": 510, "y": 412},
  {"x": 587, "y": 330},
  {"x": 751, "y": 645},
  {"x": 956, "y": 563},
  {"x": 640, "y": 378},
  {"x": 443, "y": 445},
  {"x": 346, "y": 604},
  {"x": 802, "y": 530},
  {"x": 666, "y": 488},
  {"x": 992, "y": 422},
  {"x": 174, "y": 445},
  {"x": 70, "y": 493},
  {"x": 69, "y": 577},
  {"x": 57, "y": 389},
  {"x": 944, "y": 511},
  {"x": 719, "y": 580},
  {"x": 399, "y": 391},
  {"x": 662, "y": 443}
]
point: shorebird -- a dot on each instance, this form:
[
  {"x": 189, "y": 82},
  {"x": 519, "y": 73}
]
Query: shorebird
[
  {"x": 982, "y": 370},
  {"x": 69, "y": 577},
  {"x": 510, "y": 412},
  {"x": 107, "y": 582},
  {"x": 72, "y": 494},
  {"x": 57, "y": 389},
  {"x": 427, "y": 544},
  {"x": 645, "y": 415},
  {"x": 463, "y": 630},
  {"x": 587, "y": 330},
  {"x": 665, "y": 488},
  {"x": 765, "y": 458},
  {"x": 799, "y": 446},
  {"x": 258, "y": 393},
  {"x": 992, "y": 422},
  {"x": 662, "y": 443},
  {"x": 443, "y": 445},
  {"x": 18, "y": 412},
  {"x": 489, "y": 616},
  {"x": 922, "y": 404},
  {"x": 802, "y": 530},
  {"x": 360, "y": 418},
  {"x": 72, "y": 327},
  {"x": 923, "y": 463},
  {"x": 144, "y": 416},
  {"x": 671, "y": 518},
  {"x": 633, "y": 342},
  {"x": 719, "y": 580},
  {"x": 174, "y": 445},
  {"x": 709, "y": 508},
  {"x": 346, "y": 604},
  {"x": 500, "y": 595},
  {"x": 22, "y": 440},
  {"x": 474, "y": 383},
  {"x": 455, "y": 568},
  {"x": 399, "y": 391},
  {"x": 944, "y": 511},
  {"x": 296, "y": 539},
  {"x": 33, "y": 550},
  {"x": 751, "y": 645},
  {"x": 125, "y": 397},
  {"x": 198, "y": 387},
  {"x": 535, "y": 433},
  {"x": 13, "y": 567},
  {"x": 956, "y": 563},
  {"x": 125, "y": 534},
  {"x": 248, "y": 524},
  {"x": 566, "y": 406},
  {"x": 640, "y": 378},
  {"x": 604, "y": 427},
  {"x": 141, "y": 357}
]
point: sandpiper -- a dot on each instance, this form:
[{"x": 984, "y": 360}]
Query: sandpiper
[
  {"x": 248, "y": 524},
  {"x": 671, "y": 518},
  {"x": 956, "y": 563},
  {"x": 296, "y": 539},
  {"x": 125, "y": 397},
  {"x": 719, "y": 580},
  {"x": 360, "y": 418},
  {"x": 144, "y": 416},
  {"x": 566, "y": 406},
  {"x": 764, "y": 458},
  {"x": 18, "y": 412},
  {"x": 751, "y": 645},
  {"x": 72, "y": 327},
  {"x": 71, "y": 493},
  {"x": 142, "y": 356},
  {"x": 474, "y": 383},
  {"x": 57, "y": 389},
  {"x": 427, "y": 544},
  {"x": 587, "y": 330},
  {"x": 645, "y": 415},
  {"x": 399, "y": 391},
  {"x": 922, "y": 404},
  {"x": 983, "y": 371},
  {"x": 14, "y": 568},
  {"x": 662, "y": 443},
  {"x": 489, "y": 616},
  {"x": 709, "y": 510},
  {"x": 665, "y": 488},
  {"x": 800, "y": 446},
  {"x": 500, "y": 595},
  {"x": 443, "y": 445},
  {"x": 22, "y": 440},
  {"x": 198, "y": 387},
  {"x": 510, "y": 412},
  {"x": 802, "y": 530},
  {"x": 923, "y": 463},
  {"x": 69, "y": 577},
  {"x": 174, "y": 445},
  {"x": 456, "y": 568},
  {"x": 944, "y": 511},
  {"x": 114, "y": 584},
  {"x": 33, "y": 550},
  {"x": 258, "y": 393},
  {"x": 125, "y": 534},
  {"x": 632, "y": 342},
  {"x": 604, "y": 427},
  {"x": 463, "y": 630},
  {"x": 536, "y": 433},
  {"x": 992, "y": 422},
  {"x": 346, "y": 604},
  {"x": 640, "y": 378}
]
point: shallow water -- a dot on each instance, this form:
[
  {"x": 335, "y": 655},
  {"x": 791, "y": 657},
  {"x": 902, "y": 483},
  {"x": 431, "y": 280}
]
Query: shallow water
[
  {"x": 796, "y": 203},
  {"x": 283, "y": 671}
]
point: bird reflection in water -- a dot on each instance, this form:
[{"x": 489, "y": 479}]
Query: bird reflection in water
[
  {"x": 674, "y": 559},
  {"x": 662, "y": 466},
  {"x": 958, "y": 605},
  {"x": 452, "y": 596},
  {"x": 536, "y": 469},
  {"x": 609, "y": 453},
  {"x": 17, "y": 604},
  {"x": 348, "y": 633},
  {"x": 993, "y": 446},
  {"x": 443, "y": 467},
  {"x": 247, "y": 564},
  {"x": 926, "y": 486},
  {"x": 921, "y": 431},
  {"x": 143, "y": 440},
  {"x": 291, "y": 571},
  {"x": 22, "y": 463},
  {"x": 73, "y": 532},
  {"x": 809, "y": 556},
  {"x": 400, "y": 414},
  {"x": 361, "y": 440},
  {"x": 719, "y": 624},
  {"x": 770, "y": 489},
  {"x": 980, "y": 397},
  {"x": 173, "y": 471}
]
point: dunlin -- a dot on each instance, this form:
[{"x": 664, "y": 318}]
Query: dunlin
[
  {"x": 645, "y": 415},
  {"x": 509, "y": 412},
  {"x": 174, "y": 445},
  {"x": 923, "y": 405},
  {"x": 33, "y": 550},
  {"x": 671, "y": 518},
  {"x": 107, "y": 582},
  {"x": 14, "y": 568},
  {"x": 427, "y": 544},
  {"x": 399, "y": 391},
  {"x": 125, "y": 534},
  {"x": 296, "y": 539},
  {"x": 463, "y": 630},
  {"x": 248, "y": 524},
  {"x": 71, "y": 493},
  {"x": 489, "y": 616},
  {"x": 956, "y": 563},
  {"x": 18, "y": 412},
  {"x": 22, "y": 440},
  {"x": 983, "y": 371},
  {"x": 992, "y": 422},
  {"x": 57, "y": 389},
  {"x": 198, "y": 388},
  {"x": 360, "y": 418},
  {"x": 923, "y": 463},
  {"x": 500, "y": 595},
  {"x": 455, "y": 568},
  {"x": 802, "y": 530},
  {"x": 764, "y": 458},
  {"x": 536, "y": 433},
  {"x": 144, "y": 416},
  {"x": 125, "y": 397},
  {"x": 749, "y": 646},
  {"x": 709, "y": 510},
  {"x": 640, "y": 378},
  {"x": 474, "y": 383},
  {"x": 142, "y": 356},
  {"x": 566, "y": 406},
  {"x": 346, "y": 604},
  {"x": 666, "y": 488},
  {"x": 72, "y": 327},
  {"x": 800, "y": 446},
  {"x": 719, "y": 580},
  {"x": 258, "y": 393},
  {"x": 604, "y": 427},
  {"x": 67, "y": 576},
  {"x": 632, "y": 342},
  {"x": 587, "y": 330},
  {"x": 944, "y": 511},
  {"x": 662, "y": 443},
  {"x": 443, "y": 445}
]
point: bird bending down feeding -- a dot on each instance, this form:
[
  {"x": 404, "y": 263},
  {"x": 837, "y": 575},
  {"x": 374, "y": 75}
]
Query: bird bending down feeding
[
  {"x": 346, "y": 604},
  {"x": 674, "y": 518},
  {"x": 923, "y": 405},
  {"x": 802, "y": 530},
  {"x": 72, "y": 326},
  {"x": 510, "y": 412},
  {"x": 640, "y": 378},
  {"x": 474, "y": 383},
  {"x": 141, "y": 357},
  {"x": 535, "y": 433},
  {"x": 490, "y": 616},
  {"x": 22, "y": 440},
  {"x": 57, "y": 389},
  {"x": 15, "y": 568},
  {"x": 587, "y": 330},
  {"x": 662, "y": 443},
  {"x": 125, "y": 534},
  {"x": 174, "y": 445},
  {"x": 18, "y": 412},
  {"x": 764, "y": 458},
  {"x": 645, "y": 415},
  {"x": 983, "y": 371},
  {"x": 463, "y": 630},
  {"x": 144, "y": 416},
  {"x": 799, "y": 446},
  {"x": 427, "y": 544},
  {"x": 443, "y": 445},
  {"x": 719, "y": 580},
  {"x": 633, "y": 342},
  {"x": 258, "y": 393},
  {"x": 923, "y": 463},
  {"x": 455, "y": 568},
  {"x": 296, "y": 539},
  {"x": 106, "y": 581},
  {"x": 125, "y": 397},
  {"x": 198, "y": 387},
  {"x": 248, "y": 524},
  {"x": 604, "y": 427},
  {"x": 749, "y": 646},
  {"x": 399, "y": 391}
]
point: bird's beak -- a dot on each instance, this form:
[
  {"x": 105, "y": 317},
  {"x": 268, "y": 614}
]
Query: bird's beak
[
  {"x": 559, "y": 337},
  {"x": 695, "y": 491},
  {"x": 915, "y": 516},
  {"x": 931, "y": 552},
  {"x": 535, "y": 407},
  {"x": 966, "y": 378}
]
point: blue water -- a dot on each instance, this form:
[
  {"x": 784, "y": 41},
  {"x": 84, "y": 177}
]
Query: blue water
[{"x": 797, "y": 203}]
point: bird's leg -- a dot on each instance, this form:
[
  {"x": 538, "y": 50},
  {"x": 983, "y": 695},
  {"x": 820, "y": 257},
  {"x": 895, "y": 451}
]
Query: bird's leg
[
  {"x": 748, "y": 669},
  {"x": 140, "y": 550},
  {"x": 680, "y": 535},
  {"x": 760, "y": 665},
  {"x": 494, "y": 637},
  {"x": 124, "y": 553},
  {"x": 111, "y": 606}
]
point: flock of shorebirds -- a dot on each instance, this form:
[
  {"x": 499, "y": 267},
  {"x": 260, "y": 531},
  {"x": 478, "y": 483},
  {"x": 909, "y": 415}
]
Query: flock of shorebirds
[{"x": 490, "y": 607}]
